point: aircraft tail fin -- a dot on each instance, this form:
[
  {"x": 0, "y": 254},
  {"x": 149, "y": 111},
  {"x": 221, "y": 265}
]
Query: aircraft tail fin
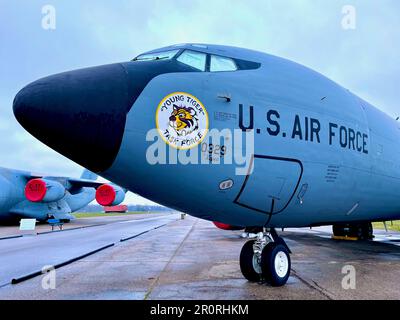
[{"x": 89, "y": 175}]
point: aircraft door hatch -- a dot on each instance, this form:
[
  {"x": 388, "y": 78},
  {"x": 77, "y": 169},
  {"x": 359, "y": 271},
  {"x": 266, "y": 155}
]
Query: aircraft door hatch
[{"x": 271, "y": 185}]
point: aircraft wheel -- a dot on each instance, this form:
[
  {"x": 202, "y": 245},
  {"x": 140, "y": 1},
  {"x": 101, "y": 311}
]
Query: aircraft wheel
[
  {"x": 338, "y": 230},
  {"x": 357, "y": 231},
  {"x": 276, "y": 264},
  {"x": 250, "y": 267},
  {"x": 368, "y": 231}
]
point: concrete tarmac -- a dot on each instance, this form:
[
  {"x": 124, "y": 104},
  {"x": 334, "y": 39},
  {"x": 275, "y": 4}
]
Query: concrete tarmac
[
  {"x": 13, "y": 230},
  {"x": 191, "y": 259},
  {"x": 22, "y": 256}
]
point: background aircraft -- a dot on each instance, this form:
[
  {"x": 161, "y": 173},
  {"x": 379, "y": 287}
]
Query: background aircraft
[
  {"x": 27, "y": 195},
  {"x": 321, "y": 154}
]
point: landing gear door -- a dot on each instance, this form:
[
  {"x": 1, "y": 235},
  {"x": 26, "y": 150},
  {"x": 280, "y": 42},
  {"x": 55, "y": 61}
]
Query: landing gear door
[{"x": 271, "y": 185}]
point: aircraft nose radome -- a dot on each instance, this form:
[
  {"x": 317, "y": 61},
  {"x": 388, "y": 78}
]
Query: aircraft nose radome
[{"x": 81, "y": 114}]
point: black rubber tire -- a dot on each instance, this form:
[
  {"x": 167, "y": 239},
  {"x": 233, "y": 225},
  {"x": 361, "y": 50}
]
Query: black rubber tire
[
  {"x": 246, "y": 262},
  {"x": 357, "y": 231},
  {"x": 281, "y": 241},
  {"x": 368, "y": 231},
  {"x": 338, "y": 230},
  {"x": 268, "y": 264},
  {"x": 347, "y": 230}
]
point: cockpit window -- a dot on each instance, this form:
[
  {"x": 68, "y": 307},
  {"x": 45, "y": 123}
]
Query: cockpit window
[
  {"x": 193, "y": 59},
  {"x": 199, "y": 61},
  {"x": 165, "y": 55},
  {"x": 218, "y": 63}
]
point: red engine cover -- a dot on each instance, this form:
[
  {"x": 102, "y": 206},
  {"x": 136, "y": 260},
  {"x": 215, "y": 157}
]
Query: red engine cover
[
  {"x": 35, "y": 190},
  {"x": 105, "y": 195},
  {"x": 225, "y": 226}
]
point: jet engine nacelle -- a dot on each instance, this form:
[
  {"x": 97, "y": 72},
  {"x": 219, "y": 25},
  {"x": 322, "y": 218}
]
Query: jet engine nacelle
[
  {"x": 109, "y": 195},
  {"x": 43, "y": 190},
  {"x": 225, "y": 226}
]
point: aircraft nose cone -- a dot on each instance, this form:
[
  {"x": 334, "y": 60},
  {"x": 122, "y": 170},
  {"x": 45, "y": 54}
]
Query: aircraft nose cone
[{"x": 80, "y": 114}]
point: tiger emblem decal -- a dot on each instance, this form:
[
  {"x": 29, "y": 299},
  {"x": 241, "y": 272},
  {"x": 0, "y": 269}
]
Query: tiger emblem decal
[{"x": 182, "y": 120}]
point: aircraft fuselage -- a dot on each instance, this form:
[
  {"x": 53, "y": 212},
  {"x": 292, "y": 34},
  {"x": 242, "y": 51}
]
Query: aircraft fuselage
[{"x": 321, "y": 155}]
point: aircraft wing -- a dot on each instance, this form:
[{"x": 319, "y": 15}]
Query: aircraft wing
[
  {"x": 68, "y": 183},
  {"x": 87, "y": 180},
  {"x": 90, "y": 184},
  {"x": 81, "y": 183},
  {"x": 48, "y": 188}
]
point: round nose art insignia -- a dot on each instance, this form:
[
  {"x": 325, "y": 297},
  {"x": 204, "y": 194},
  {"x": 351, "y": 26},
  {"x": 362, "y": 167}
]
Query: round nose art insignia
[{"x": 182, "y": 120}]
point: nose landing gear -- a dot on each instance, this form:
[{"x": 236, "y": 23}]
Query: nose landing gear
[{"x": 266, "y": 259}]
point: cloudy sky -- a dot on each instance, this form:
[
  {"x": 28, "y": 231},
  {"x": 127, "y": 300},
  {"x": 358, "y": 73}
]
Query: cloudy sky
[{"x": 365, "y": 60}]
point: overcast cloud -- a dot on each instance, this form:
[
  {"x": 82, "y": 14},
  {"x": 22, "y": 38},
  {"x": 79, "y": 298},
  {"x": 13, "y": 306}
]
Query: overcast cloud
[{"x": 94, "y": 32}]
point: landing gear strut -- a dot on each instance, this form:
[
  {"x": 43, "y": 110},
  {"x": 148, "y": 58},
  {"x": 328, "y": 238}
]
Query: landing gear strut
[{"x": 266, "y": 259}]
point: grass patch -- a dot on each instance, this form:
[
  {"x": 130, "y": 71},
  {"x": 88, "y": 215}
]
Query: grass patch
[
  {"x": 391, "y": 225},
  {"x": 100, "y": 214}
]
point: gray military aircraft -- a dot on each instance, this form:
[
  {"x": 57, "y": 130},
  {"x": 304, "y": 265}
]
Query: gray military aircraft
[
  {"x": 315, "y": 154},
  {"x": 27, "y": 195}
]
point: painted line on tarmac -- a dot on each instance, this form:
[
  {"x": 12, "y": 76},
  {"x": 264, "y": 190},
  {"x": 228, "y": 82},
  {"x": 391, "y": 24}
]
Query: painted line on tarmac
[
  {"x": 71, "y": 229},
  {"x": 142, "y": 233},
  {"x": 60, "y": 265},
  {"x": 145, "y": 219},
  {"x": 84, "y": 227},
  {"x": 65, "y": 263},
  {"x": 11, "y": 237},
  {"x": 56, "y": 231}
]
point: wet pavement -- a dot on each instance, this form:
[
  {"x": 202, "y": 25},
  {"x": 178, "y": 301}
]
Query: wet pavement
[
  {"x": 13, "y": 230},
  {"x": 191, "y": 259}
]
